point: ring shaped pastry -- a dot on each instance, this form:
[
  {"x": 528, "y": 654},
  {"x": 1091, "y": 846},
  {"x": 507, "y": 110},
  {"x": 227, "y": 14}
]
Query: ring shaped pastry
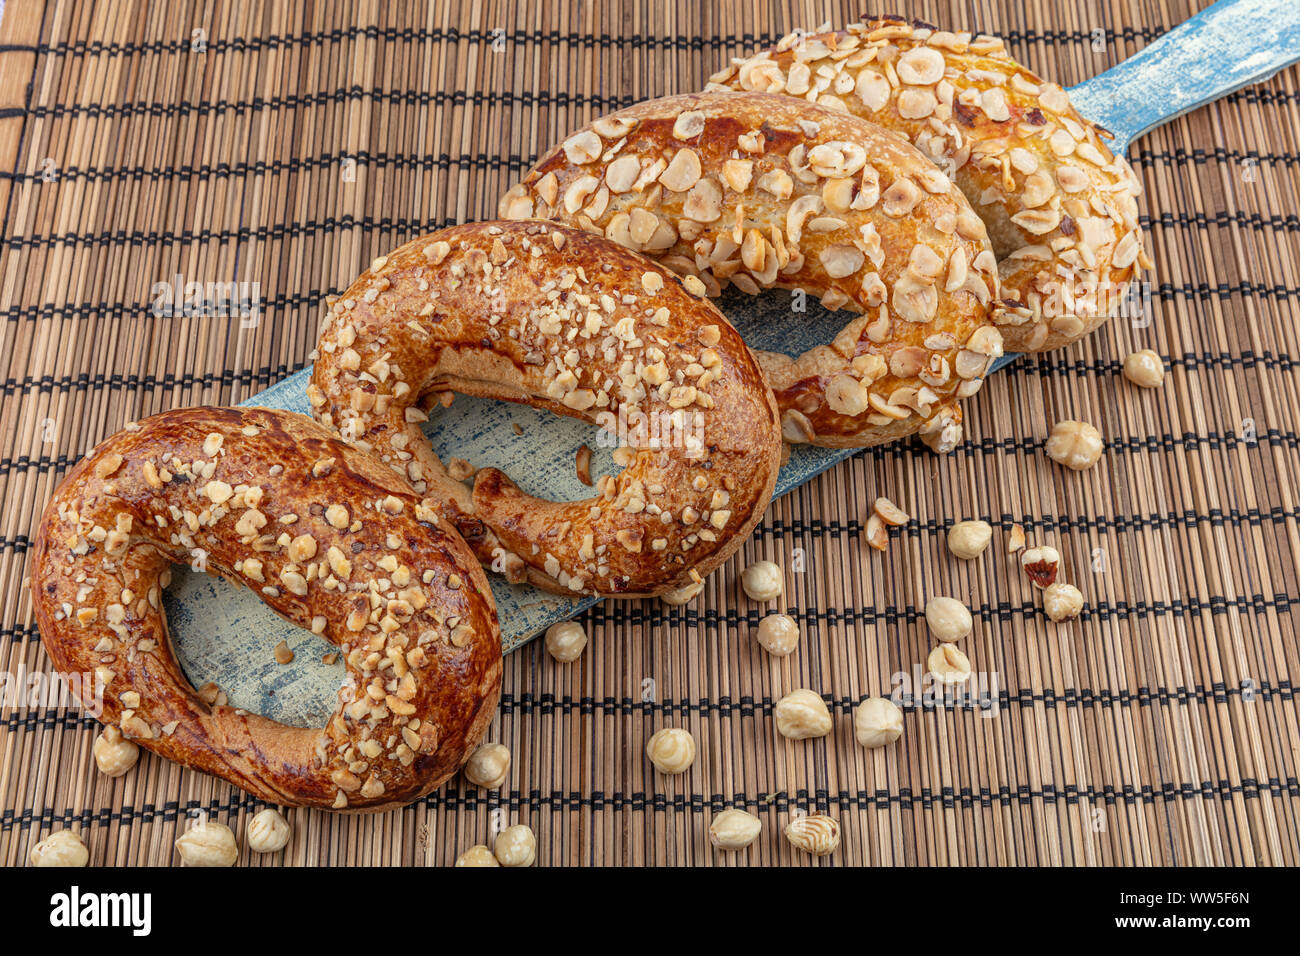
[
  {"x": 538, "y": 313},
  {"x": 763, "y": 191},
  {"x": 1061, "y": 209},
  {"x": 331, "y": 540}
]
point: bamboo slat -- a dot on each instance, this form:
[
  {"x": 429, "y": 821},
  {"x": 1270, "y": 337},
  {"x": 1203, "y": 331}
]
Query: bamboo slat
[{"x": 306, "y": 138}]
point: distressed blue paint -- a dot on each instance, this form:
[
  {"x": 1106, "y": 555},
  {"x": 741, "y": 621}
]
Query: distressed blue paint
[
  {"x": 1231, "y": 44},
  {"x": 219, "y": 630}
]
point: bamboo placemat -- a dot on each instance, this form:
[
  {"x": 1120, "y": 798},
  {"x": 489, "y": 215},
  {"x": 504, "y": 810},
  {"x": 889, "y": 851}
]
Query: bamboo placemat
[{"x": 306, "y": 138}]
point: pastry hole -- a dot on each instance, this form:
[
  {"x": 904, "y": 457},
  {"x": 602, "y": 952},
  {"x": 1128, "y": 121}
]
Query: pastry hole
[
  {"x": 227, "y": 635},
  {"x": 767, "y": 322},
  {"x": 539, "y": 459}
]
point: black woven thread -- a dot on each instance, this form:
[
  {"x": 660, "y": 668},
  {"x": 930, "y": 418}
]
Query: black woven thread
[
  {"x": 423, "y": 99},
  {"x": 1006, "y": 796},
  {"x": 297, "y": 230},
  {"x": 527, "y": 704},
  {"x": 420, "y": 98},
  {"x": 499, "y": 161},
  {"x": 653, "y": 615},
  {"x": 675, "y": 43},
  {"x": 512, "y": 162},
  {"x": 1202, "y": 157},
  {"x": 315, "y": 300},
  {"x": 364, "y": 160},
  {"x": 1216, "y": 517},
  {"x": 1048, "y": 365}
]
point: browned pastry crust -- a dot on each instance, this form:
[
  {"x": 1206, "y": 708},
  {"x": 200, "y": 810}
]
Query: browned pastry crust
[
  {"x": 333, "y": 541},
  {"x": 763, "y": 191},
  {"x": 538, "y": 313},
  {"x": 1060, "y": 208}
]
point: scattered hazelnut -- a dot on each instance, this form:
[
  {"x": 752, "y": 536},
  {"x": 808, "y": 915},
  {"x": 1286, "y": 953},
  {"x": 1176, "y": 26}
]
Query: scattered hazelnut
[
  {"x": 1145, "y": 368},
  {"x": 949, "y": 619},
  {"x": 762, "y": 581},
  {"x": 948, "y": 664},
  {"x": 1076, "y": 445},
  {"x": 114, "y": 754},
  {"x": 515, "y": 846},
  {"x": 1041, "y": 564},
  {"x": 890, "y": 513},
  {"x": 682, "y": 595},
  {"x": 816, "y": 834},
  {"x": 1016, "y": 539},
  {"x": 802, "y": 714},
  {"x": 565, "y": 641},
  {"x": 208, "y": 844},
  {"x": 477, "y": 855},
  {"x": 877, "y": 721},
  {"x": 671, "y": 750},
  {"x": 60, "y": 848},
  {"x": 268, "y": 831},
  {"x": 968, "y": 539},
  {"x": 734, "y": 829},
  {"x": 778, "y": 634},
  {"x": 488, "y": 765},
  {"x": 282, "y": 653},
  {"x": 1062, "y": 602},
  {"x": 875, "y": 533}
]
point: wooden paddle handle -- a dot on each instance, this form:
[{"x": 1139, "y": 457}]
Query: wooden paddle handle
[{"x": 1231, "y": 44}]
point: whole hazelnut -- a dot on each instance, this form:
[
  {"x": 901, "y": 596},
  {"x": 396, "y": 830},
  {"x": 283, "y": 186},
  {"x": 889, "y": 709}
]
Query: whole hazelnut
[
  {"x": 1076, "y": 445},
  {"x": 565, "y": 641},
  {"x": 1144, "y": 368},
  {"x": 114, "y": 754},
  {"x": 488, "y": 765},
  {"x": 515, "y": 846},
  {"x": 1062, "y": 602},
  {"x": 208, "y": 844},
  {"x": 802, "y": 714},
  {"x": 762, "y": 581},
  {"x": 816, "y": 834},
  {"x": 268, "y": 831},
  {"x": 968, "y": 539},
  {"x": 671, "y": 750},
  {"x": 477, "y": 855},
  {"x": 877, "y": 721},
  {"x": 778, "y": 634},
  {"x": 60, "y": 848},
  {"x": 734, "y": 829},
  {"x": 949, "y": 619}
]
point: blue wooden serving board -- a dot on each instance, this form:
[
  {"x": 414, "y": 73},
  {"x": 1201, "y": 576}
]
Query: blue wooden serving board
[{"x": 225, "y": 634}]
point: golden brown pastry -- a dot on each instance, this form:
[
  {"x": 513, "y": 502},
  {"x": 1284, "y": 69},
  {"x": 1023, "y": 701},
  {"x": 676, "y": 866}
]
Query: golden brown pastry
[
  {"x": 332, "y": 541},
  {"x": 1060, "y": 208},
  {"x": 763, "y": 191},
  {"x": 538, "y": 313}
]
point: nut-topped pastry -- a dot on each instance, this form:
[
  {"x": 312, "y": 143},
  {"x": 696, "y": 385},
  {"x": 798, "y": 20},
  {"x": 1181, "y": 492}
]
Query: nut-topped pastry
[
  {"x": 331, "y": 540},
  {"x": 539, "y": 313},
  {"x": 1061, "y": 209},
  {"x": 761, "y": 191}
]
